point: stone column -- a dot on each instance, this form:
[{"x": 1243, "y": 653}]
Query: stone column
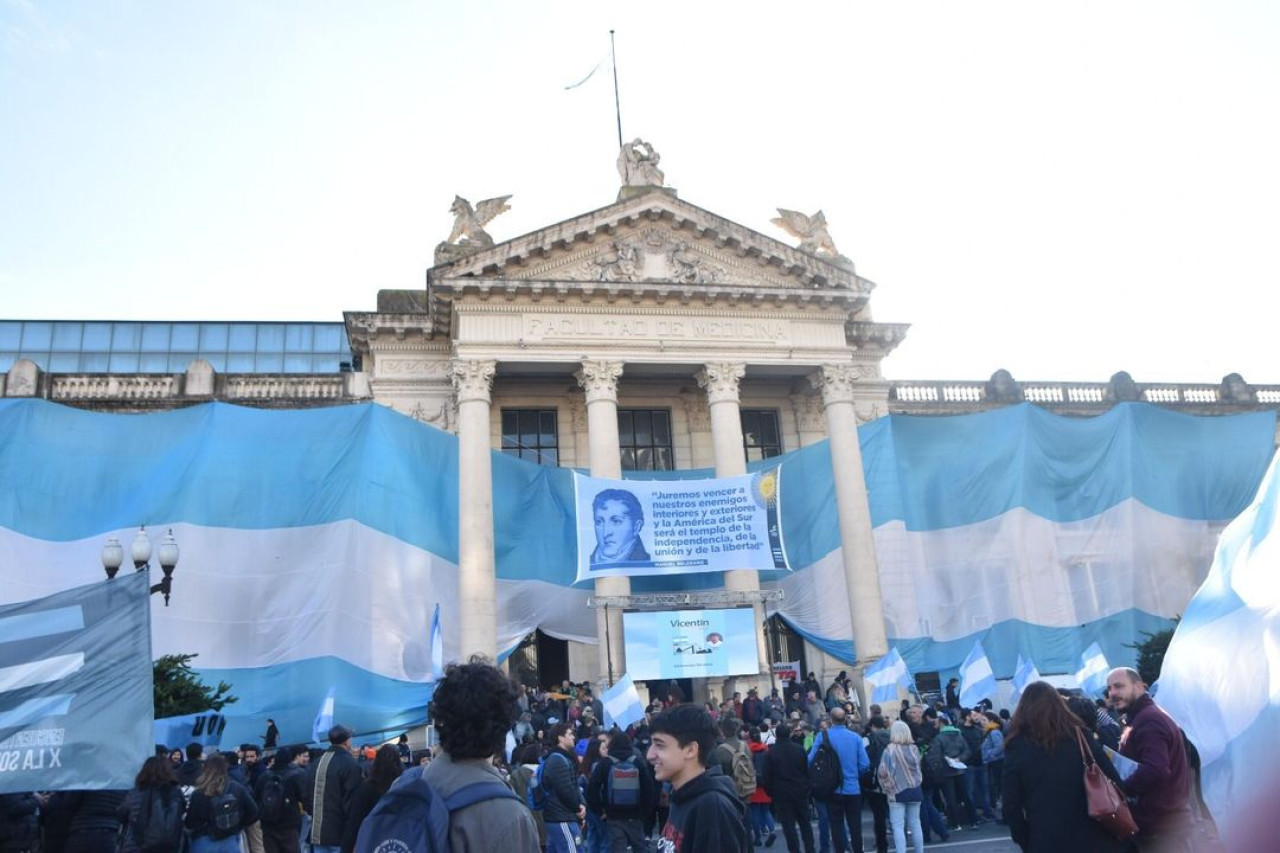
[
  {"x": 599, "y": 379},
  {"x": 720, "y": 381},
  {"x": 853, "y": 512},
  {"x": 477, "y": 584}
]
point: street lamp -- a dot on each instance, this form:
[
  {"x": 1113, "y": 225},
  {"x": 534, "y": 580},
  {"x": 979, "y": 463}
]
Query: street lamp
[{"x": 140, "y": 553}]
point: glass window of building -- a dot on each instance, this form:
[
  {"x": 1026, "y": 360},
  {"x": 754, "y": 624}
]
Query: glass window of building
[
  {"x": 644, "y": 437},
  {"x": 761, "y": 437},
  {"x": 531, "y": 434}
]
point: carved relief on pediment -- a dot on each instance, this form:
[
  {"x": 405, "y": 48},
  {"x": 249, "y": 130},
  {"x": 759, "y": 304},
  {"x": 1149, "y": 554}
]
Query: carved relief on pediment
[{"x": 655, "y": 253}]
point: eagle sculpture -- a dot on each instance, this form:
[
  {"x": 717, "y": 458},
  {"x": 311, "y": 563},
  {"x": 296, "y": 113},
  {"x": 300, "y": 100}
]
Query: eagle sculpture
[
  {"x": 810, "y": 230},
  {"x": 469, "y": 222}
]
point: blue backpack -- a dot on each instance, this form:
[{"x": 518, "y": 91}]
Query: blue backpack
[
  {"x": 412, "y": 818},
  {"x": 535, "y": 794}
]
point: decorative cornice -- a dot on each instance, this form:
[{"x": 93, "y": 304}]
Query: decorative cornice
[
  {"x": 599, "y": 379},
  {"x": 882, "y": 337},
  {"x": 831, "y": 314},
  {"x": 720, "y": 381},
  {"x": 472, "y": 378}
]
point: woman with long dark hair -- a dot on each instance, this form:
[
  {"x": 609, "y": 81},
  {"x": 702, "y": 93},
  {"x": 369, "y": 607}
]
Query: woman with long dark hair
[
  {"x": 155, "y": 796},
  {"x": 1044, "y": 798},
  {"x": 385, "y": 771},
  {"x": 219, "y": 810}
]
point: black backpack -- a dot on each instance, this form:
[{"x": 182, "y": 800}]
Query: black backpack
[
  {"x": 825, "y": 773},
  {"x": 226, "y": 815},
  {"x": 160, "y": 828},
  {"x": 274, "y": 801}
]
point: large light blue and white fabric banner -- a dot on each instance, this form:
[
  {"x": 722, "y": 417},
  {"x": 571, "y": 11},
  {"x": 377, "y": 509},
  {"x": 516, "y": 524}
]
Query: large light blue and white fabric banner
[
  {"x": 887, "y": 675},
  {"x": 678, "y": 527},
  {"x": 1221, "y": 675},
  {"x": 317, "y": 543},
  {"x": 75, "y": 687}
]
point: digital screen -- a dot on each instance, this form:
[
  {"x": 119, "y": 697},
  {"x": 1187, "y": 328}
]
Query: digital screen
[{"x": 690, "y": 643}]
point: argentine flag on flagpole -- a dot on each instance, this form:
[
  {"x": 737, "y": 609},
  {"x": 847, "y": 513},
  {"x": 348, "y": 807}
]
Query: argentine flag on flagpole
[
  {"x": 886, "y": 675},
  {"x": 437, "y": 646},
  {"x": 976, "y": 679},
  {"x": 1093, "y": 671},
  {"x": 1025, "y": 674},
  {"x": 622, "y": 705},
  {"x": 324, "y": 719}
]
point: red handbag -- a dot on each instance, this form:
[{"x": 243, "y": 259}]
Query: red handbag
[{"x": 1106, "y": 803}]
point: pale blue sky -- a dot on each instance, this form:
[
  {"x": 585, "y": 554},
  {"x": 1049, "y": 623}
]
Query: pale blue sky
[{"x": 1064, "y": 190}]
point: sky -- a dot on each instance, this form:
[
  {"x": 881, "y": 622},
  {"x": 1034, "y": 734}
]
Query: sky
[{"x": 1062, "y": 190}]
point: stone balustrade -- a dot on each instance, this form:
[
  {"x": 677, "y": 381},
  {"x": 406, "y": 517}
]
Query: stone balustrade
[{"x": 72, "y": 387}]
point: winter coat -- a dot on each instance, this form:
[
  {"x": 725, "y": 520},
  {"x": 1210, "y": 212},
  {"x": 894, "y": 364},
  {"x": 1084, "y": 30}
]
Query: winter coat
[
  {"x": 1162, "y": 782},
  {"x": 135, "y": 810},
  {"x": 993, "y": 746},
  {"x": 1044, "y": 799},
  {"x": 973, "y": 735},
  {"x": 953, "y": 745},
  {"x": 786, "y": 772},
  {"x": 560, "y": 783},
  {"x": 94, "y": 811},
  {"x": 342, "y": 780},
  {"x": 200, "y": 810},
  {"x": 17, "y": 821},
  {"x": 498, "y": 824}
]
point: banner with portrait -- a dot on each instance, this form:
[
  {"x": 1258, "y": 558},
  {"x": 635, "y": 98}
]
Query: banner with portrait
[{"x": 672, "y": 527}]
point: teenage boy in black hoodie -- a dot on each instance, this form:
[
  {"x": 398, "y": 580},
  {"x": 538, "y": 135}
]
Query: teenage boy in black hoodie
[{"x": 706, "y": 815}]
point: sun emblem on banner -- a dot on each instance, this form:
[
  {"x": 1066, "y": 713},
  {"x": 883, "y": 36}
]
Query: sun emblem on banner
[{"x": 764, "y": 488}]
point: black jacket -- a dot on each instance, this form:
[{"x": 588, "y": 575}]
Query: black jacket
[
  {"x": 17, "y": 821},
  {"x": 706, "y": 817},
  {"x": 188, "y": 772},
  {"x": 1044, "y": 801},
  {"x": 973, "y": 736},
  {"x": 786, "y": 772},
  {"x": 199, "y": 817},
  {"x": 560, "y": 779},
  {"x": 367, "y": 796},
  {"x": 293, "y": 777},
  {"x": 135, "y": 810},
  {"x": 93, "y": 811},
  {"x": 597, "y": 794},
  {"x": 342, "y": 780}
]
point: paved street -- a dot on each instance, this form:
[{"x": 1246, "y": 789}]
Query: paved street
[{"x": 989, "y": 837}]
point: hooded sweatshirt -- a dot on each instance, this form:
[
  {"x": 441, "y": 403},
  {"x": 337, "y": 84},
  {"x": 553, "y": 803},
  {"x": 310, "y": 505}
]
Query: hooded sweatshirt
[{"x": 706, "y": 817}]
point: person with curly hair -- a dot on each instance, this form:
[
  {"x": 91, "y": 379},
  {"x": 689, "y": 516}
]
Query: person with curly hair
[{"x": 473, "y": 709}]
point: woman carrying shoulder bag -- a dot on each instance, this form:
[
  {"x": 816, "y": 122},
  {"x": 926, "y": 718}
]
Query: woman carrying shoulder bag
[{"x": 901, "y": 781}]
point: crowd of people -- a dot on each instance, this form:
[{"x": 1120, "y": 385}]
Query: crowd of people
[{"x": 523, "y": 770}]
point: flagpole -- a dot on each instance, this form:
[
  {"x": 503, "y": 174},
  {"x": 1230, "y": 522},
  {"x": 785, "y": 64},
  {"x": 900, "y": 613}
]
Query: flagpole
[{"x": 617, "y": 101}]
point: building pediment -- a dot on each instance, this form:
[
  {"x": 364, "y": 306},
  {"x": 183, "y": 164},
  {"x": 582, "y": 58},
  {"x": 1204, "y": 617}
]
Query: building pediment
[{"x": 651, "y": 239}]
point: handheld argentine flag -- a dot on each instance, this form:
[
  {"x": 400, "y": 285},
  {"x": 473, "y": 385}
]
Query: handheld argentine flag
[
  {"x": 976, "y": 679},
  {"x": 324, "y": 719},
  {"x": 1025, "y": 674},
  {"x": 622, "y": 705},
  {"x": 437, "y": 646},
  {"x": 1093, "y": 671},
  {"x": 886, "y": 675}
]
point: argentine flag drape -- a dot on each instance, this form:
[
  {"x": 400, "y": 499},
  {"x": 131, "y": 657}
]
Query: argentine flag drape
[
  {"x": 437, "y": 646},
  {"x": 1025, "y": 674},
  {"x": 324, "y": 718},
  {"x": 886, "y": 675},
  {"x": 976, "y": 679},
  {"x": 1221, "y": 675},
  {"x": 1093, "y": 671},
  {"x": 622, "y": 705}
]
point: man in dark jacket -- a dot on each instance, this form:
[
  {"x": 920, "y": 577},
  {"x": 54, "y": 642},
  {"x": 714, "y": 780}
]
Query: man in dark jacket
[
  {"x": 786, "y": 779},
  {"x": 752, "y": 708},
  {"x": 1162, "y": 781},
  {"x": 329, "y": 790},
  {"x": 977, "y": 792},
  {"x": 564, "y": 803},
  {"x": 951, "y": 749},
  {"x": 189, "y": 771},
  {"x": 706, "y": 815},
  {"x": 280, "y": 830},
  {"x": 624, "y": 820},
  {"x": 877, "y": 742}
]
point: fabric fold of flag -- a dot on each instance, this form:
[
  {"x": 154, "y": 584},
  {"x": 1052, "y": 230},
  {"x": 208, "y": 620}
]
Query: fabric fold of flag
[
  {"x": 1093, "y": 671},
  {"x": 1026, "y": 673},
  {"x": 622, "y": 705},
  {"x": 437, "y": 646},
  {"x": 886, "y": 675},
  {"x": 977, "y": 682}
]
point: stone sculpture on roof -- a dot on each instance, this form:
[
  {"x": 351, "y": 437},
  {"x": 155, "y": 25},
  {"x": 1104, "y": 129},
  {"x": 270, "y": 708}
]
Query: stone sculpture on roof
[
  {"x": 810, "y": 230},
  {"x": 638, "y": 165},
  {"x": 468, "y": 234}
]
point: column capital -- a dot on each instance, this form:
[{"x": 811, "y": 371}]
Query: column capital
[
  {"x": 599, "y": 379},
  {"x": 720, "y": 380},
  {"x": 836, "y": 382},
  {"x": 472, "y": 378}
]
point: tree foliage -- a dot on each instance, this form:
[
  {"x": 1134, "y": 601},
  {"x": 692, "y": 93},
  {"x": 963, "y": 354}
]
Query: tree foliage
[
  {"x": 1151, "y": 652},
  {"x": 179, "y": 691}
]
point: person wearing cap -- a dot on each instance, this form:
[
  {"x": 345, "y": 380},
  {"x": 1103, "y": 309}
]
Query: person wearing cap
[{"x": 330, "y": 790}]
